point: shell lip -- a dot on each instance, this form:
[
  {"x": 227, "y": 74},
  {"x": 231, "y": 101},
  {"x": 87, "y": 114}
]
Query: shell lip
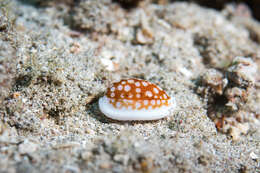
[{"x": 134, "y": 115}]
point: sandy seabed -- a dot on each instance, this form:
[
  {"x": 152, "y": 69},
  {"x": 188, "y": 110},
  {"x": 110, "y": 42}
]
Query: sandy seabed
[{"x": 57, "y": 58}]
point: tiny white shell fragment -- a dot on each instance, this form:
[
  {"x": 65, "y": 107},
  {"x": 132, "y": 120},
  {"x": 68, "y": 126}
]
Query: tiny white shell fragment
[{"x": 108, "y": 64}]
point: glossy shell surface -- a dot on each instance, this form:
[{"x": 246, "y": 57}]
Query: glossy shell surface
[{"x": 135, "y": 99}]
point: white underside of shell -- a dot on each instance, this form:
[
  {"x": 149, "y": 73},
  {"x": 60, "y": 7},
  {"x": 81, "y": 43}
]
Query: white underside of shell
[{"x": 124, "y": 114}]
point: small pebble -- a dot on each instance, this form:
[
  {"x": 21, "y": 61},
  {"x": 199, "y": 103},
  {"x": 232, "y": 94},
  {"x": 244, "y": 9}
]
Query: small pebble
[{"x": 27, "y": 147}]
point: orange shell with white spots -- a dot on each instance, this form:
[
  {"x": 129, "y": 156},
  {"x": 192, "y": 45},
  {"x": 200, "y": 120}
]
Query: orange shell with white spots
[
  {"x": 135, "y": 99},
  {"x": 137, "y": 93}
]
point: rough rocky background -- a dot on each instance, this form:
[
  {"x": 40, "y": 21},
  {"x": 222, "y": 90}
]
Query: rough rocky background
[{"x": 58, "y": 57}]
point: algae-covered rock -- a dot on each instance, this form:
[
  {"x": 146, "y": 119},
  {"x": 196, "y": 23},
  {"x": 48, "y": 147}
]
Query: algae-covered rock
[{"x": 228, "y": 92}]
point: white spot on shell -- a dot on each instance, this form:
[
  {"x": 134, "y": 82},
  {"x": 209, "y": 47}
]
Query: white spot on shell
[
  {"x": 164, "y": 96},
  {"x": 138, "y": 105},
  {"x": 127, "y": 88},
  {"x": 158, "y": 102},
  {"x": 120, "y": 87},
  {"x": 138, "y": 95},
  {"x": 137, "y": 84},
  {"x": 112, "y": 100},
  {"x": 138, "y": 90},
  {"x": 118, "y": 104},
  {"x": 145, "y": 83},
  {"x": 153, "y": 102},
  {"x": 160, "y": 97},
  {"x": 145, "y": 102},
  {"x": 150, "y": 108},
  {"x": 130, "y": 96},
  {"x": 155, "y": 97},
  {"x": 122, "y": 96},
  {"x": 159, "y": 88},
  {"x": 112, "y": 89},
  {"x": 112, "y": 95},
  {"x": 149, "y": 93},
  {"x": 123, "y": 82},
  {"x": 163, "y": 101},
  {"x": 130, "y": 81},
  {"x": 155, "y": 90}
]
